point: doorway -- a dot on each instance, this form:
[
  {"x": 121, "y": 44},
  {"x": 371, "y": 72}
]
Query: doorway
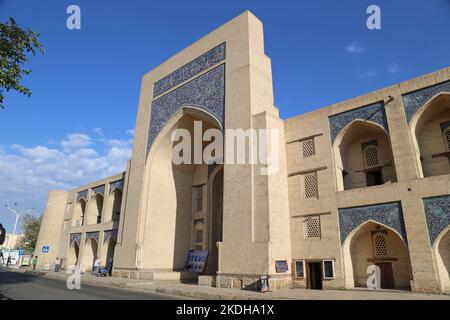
[
  {"x": 315, "y": 275},
  {"x": 386, "y": 275}
]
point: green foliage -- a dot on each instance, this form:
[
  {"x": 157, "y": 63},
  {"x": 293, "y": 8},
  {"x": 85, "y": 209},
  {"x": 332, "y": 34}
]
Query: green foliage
[
  {"x": 15, "y": 45},
  {"x": 31, "y": 226}
]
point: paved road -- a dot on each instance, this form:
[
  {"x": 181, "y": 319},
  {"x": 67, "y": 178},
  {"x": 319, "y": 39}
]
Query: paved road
[{"x": 20, "y": 286}]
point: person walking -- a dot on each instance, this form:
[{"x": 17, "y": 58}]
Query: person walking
[
  {"x": 34, "y": 262},
  {"x": 8, "y": 262},
  {"x": 96, "y": 265},
  {"x": 57, "y": 264}
]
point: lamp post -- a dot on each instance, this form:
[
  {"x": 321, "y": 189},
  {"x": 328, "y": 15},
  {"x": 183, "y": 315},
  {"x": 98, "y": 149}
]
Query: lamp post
[{"x": 17, "y": 213}]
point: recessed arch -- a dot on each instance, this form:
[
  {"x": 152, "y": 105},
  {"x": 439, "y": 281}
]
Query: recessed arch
[
  {"x": 441, "y": 248},
  {"x": 169, "y": 201},
  {"x": 349, "y": 149},
  {"x": 359, "y": 252},
  {"x": 90, "y": 253},
  {"x": 79, "y": 213},
  {"x": 427, "y": 129}
]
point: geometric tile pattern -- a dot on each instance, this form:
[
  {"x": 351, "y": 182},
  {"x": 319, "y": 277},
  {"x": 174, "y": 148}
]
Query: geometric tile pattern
[
  {"x": 389, "y": 214},
  {"x": 110, "y": 234},
  {"x": 75, "y": 237},
  {"x": 413, "y": 101},
  {"x": 437, "y": 214},
  {"x": 90, "y": 235},
  {"x": 99, "y": 189},
  {"x": 82, "y": 195},
  {"x": 207, "y": 92},
  {"x": 374, "y": 112},
  {"x": 190, "y": 69},
  {"x": 116, "y": 185}
]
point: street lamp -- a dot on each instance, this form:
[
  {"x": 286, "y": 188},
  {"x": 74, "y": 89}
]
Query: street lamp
[{"x": 17, "y": 213}]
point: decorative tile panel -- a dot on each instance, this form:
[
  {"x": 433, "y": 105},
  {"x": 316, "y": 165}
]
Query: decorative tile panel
[
  {"x": 189, "y": 70},
  {"x": 413, "y": 101},
  {"x": 99, "y": 189},
  {"x": 82, "y": 195},
  {"x": 374, "y": 112},
  {"x": 445, "y": 125},
  {"x": 110, "y": 234},
  {"x": 389, "y": 214},
  {"x": 116, "y": 185},
  {"x": 75, "y": 237},
  {"x": 437, "y": 214},
  {"x": 90, "y": 235},
  {"x": 206, "y": 92}
]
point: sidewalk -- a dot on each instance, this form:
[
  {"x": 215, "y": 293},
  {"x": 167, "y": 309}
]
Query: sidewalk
[{"x": 208, "y": 293}]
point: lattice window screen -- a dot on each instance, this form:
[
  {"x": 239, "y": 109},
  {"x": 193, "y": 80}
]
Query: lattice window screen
[
  {"x": 198, "y": 198},
  {"x": 312, "y": 227},
  {"x": 308, "y": 148},
  {"x": 371, "y": 156},
  {"x": 380, "y": 245},
  {"x": 447, "y": 138},
  {"x": 310, "y": 185}
]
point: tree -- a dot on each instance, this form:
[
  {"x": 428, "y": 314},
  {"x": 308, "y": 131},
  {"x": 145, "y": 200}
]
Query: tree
[
  {"x": 15, "y": 44},
  {"x": 30, "y": 226}
]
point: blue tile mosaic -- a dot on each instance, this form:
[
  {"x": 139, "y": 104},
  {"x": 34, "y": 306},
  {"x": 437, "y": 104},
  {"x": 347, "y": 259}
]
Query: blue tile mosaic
[
  {"x": 445, "y": 125},
  {"x": 389, "y": 214},
  {"x": 75, "y": 237},
  {"x": 413, "y": 101},
  {"x": 190, "y": 69},
  {"x": 110, "y": 234},
  {"x": 206, "y": 92},
  {"x": 437, "y": 214},
  {"x": 82, "y": 195},
  {"x": 374, "y": 112},
  {"x": 99, "y": 189},
  {"x": 90, "y": 235},
  {"x": 116, "y": 185}
]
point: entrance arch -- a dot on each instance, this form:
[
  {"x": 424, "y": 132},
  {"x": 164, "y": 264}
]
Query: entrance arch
[
  {"x": 90, "y": 253},
  {"x": 375, "y": 243},
  {"x": 442, "y": 254},
  {"x": 74, "y": 250},
  {"x": 176, "y": 201}
]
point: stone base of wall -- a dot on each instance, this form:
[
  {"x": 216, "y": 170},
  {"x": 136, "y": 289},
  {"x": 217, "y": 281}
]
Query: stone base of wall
[
  {"x": 252, "y": 282},
  {"x": 156, "y": 275}
]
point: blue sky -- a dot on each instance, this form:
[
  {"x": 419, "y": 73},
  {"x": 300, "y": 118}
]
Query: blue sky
[{"x": 77, "y": 126}]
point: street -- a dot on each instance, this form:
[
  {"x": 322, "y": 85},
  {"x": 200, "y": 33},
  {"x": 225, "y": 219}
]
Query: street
[{"x": 21, "y": 286}]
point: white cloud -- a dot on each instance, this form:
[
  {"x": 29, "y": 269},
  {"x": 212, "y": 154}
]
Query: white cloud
[
  {"x": 28, "y": 173},
  {"x": 98, "y": 131},
  {"x": 393, "y": 68},
  {"x": 369, "y": 74},
  {"x": 355, "y": 47}
]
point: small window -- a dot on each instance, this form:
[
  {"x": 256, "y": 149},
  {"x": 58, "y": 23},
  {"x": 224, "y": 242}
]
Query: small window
[
  {"x": 198, "y": 197},
  {"x": 328, "y": 269},
  {"x": 300, "y": 269},
  {"x": 312, "y": 227},
  {"x": 308, "y": 148},
  {"x": 447, "y": 138},
  {"x": 380, "y": 245},
  {"x": 371, "y": 156},
  {"x": 310, "y": 185}
]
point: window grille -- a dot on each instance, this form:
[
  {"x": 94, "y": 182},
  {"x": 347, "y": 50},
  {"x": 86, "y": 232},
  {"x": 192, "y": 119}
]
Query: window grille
[
  {"x": 447, "y": 138},
  {"x": 312, "y": 227},
  {"x": 380, "y": 245},
  {"x": 198, "y": 195},
  {"x": 310, "y": 185},
  {"x": 371, "y": 156},
  {"x": 308, "y": 148}
]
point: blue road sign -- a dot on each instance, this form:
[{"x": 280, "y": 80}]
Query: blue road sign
[
  {"x": 45, "y": 249},
  {"x": 21, "y": 252}
]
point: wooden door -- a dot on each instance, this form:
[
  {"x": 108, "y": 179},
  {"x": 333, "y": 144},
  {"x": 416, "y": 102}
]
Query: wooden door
[{"x": 387, "y": 275}]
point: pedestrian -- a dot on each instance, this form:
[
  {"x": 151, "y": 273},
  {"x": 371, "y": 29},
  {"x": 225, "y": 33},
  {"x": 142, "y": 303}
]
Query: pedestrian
[
  {"x": 110, "y": 266},
  {"x": 34, "y": 262},
  {"x": 8, "y": 262},
  {"x": 1, "y": 256},
  {"x": 57, "y": 264},
  {"x": 96, "y": 265}
]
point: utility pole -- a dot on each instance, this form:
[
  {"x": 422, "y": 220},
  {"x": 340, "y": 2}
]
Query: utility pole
[{"x": 17, "y": 213}]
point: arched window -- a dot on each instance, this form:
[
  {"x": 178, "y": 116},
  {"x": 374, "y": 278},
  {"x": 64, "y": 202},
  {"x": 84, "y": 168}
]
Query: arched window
[
  {"x": 198, "y": 236},
  {"x": 370, "y": 154},
  {"x": 447, "y": 138},
  {"x": 380, "y": 245}
]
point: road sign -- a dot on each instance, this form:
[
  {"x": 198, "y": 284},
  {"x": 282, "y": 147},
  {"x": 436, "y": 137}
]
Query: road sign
[
  {"x": 45, "y": 249},
  {"x": 21, "y": 252}
]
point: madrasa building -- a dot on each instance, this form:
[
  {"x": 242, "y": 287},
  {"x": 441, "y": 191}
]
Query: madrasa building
[{"x": 364, "y": 182}]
